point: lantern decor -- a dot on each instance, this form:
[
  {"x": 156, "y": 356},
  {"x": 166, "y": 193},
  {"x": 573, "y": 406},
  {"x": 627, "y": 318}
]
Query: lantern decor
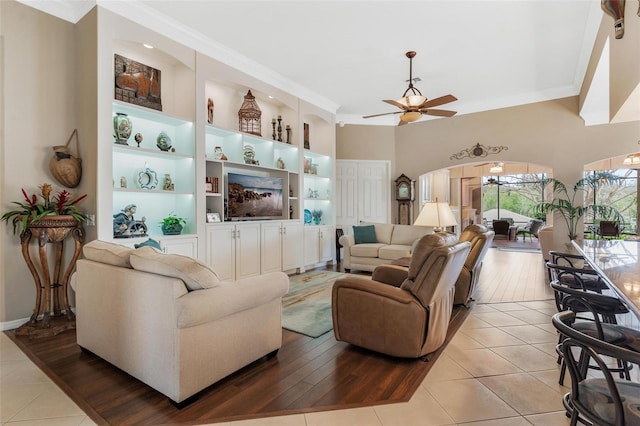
[
  {"x": 249, "y": 116},
  {"x": 615, "y": 9}
]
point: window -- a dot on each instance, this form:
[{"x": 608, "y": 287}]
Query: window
[
  {"x": 511, "y": 197},
  {"x": 622, "y": 195}
]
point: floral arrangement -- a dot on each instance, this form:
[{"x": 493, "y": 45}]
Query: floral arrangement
[{"x": 32, "y": 208}]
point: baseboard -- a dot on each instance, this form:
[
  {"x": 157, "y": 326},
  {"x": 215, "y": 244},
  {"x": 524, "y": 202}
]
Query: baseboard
[{"x": 10, "y": 325}]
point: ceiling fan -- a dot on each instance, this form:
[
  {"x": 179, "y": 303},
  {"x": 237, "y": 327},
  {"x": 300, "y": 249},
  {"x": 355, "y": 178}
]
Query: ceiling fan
[
  {"x": 414, "y": 105},
  {"x": 493, "y": 181}
]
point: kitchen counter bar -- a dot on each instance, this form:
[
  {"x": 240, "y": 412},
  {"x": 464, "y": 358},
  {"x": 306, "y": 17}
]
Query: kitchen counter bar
[{"x": 618, "y": 262}]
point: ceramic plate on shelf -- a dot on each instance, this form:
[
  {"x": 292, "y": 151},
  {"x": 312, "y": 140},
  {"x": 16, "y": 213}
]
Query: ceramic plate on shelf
[
  {"x": 147, "y": 179},
  {"x": 307, "y": 216}
]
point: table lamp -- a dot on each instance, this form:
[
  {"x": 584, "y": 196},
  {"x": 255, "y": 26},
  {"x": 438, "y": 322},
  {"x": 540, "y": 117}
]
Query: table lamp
[{"x": 438, "y": 215}]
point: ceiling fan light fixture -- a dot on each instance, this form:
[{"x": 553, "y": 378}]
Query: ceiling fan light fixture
[
  {"x": 410, "y": 116},
  {"x": 412, "y": 101},
  {"x": 632, "y": 159},
  {"x": 496, "y": 168}
]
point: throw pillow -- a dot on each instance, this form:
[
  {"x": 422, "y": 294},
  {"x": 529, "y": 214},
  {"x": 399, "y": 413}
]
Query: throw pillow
[
  {"x": 196, "y": 275},
  {"x": 106, "y": 252},
  {"x": 364, "y": 234},
  {"x": 151, "y": 243}
]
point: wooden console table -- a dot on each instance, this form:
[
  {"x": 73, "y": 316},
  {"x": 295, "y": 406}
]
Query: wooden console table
[{"x": 54, "y": 230}]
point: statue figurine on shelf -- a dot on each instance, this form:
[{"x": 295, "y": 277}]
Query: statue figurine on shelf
[
  {"x": 138, "y": 137},
  {"x": 168, "y": 183},
  {"x": 288, "y": 130},
  {"x": 125, "y": 226},
  {"x": 218, "y": 154}
]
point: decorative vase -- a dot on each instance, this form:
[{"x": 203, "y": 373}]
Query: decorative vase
[
  {"x": 317, "y": 220},
  {"x": 172, "y": 229},
  {"x": 122, "y": 128},
  {"x": 163, "y": 141}
]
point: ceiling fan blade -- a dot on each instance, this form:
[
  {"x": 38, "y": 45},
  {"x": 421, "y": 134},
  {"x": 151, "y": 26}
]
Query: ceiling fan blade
[
  {"x": 385, "y": 113},
  {"x": 438, "y": 112},
  {"x": 439, "y": 101},
  {"x": 395, "y": 104}
]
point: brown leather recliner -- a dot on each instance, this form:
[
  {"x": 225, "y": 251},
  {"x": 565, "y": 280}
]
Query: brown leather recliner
[
  {"x": 480, "y": 238},
  {"x": 409, "y": 320}
]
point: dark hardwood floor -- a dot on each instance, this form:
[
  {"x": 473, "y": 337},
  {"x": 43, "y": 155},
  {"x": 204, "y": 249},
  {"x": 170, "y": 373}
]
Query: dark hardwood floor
[{"x": 307, "y": 375}]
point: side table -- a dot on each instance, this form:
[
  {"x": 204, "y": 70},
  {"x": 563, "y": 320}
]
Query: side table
[{"x": 54, "y": 230}]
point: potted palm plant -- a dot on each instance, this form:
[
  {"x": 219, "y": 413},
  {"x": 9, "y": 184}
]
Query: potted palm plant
[
  {"x": 58, "y": 209},
  {"x": 172, "y": 224},
  {"x": 571, "y": 209}
]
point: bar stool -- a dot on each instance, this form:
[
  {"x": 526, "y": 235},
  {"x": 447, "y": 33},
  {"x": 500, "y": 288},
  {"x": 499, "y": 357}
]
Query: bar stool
[
  {"x": 567, "y": 280},
  {"x": 601, "y": 401},
  {"x": 611, "y": 333},
  {"x": 589, "y": 278}
]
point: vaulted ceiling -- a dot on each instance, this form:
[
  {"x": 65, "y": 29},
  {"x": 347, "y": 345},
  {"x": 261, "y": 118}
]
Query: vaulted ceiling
[{"x": 350, "y": 55}]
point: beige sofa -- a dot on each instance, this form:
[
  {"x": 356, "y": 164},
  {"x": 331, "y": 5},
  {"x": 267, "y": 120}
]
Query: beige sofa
[
  {"x": 393, "y": 242},
  {"x": 142, "y": 311}
]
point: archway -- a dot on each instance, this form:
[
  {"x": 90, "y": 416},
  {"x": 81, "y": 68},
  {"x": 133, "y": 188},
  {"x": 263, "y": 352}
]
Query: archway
[{"x": 479, "y": 192}]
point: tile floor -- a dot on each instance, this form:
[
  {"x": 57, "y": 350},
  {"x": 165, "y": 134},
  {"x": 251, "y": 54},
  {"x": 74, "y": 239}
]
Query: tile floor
[{"x": 500, "y": 369}]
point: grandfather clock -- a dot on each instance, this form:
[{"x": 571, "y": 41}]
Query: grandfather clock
[{"x": 405, "y": 195}]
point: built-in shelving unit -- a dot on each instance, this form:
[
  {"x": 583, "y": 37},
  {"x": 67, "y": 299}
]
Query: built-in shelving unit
[
  {"x": 207, "y": 145},
  {"x": 157, "y": 182}
]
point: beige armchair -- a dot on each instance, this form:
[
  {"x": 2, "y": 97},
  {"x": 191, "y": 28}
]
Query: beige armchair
[
  {"x": 409, "y": 320},
  {"x": 480, "y": 238}
]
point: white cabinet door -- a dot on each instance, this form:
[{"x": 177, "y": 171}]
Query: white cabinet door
[
  {"x": 247, "y": 250},
  {"x": 187, "y": 246},
  {"x": 291, "y": 239},
  {"x": 221, "y": 253},
  {"x": 327, "y": 243},
  {"x": 311, "y": 245},
  {"x": 271, "y": 247}
]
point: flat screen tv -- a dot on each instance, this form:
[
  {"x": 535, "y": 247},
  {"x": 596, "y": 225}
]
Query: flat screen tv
[{"x": 254, "y": 197}]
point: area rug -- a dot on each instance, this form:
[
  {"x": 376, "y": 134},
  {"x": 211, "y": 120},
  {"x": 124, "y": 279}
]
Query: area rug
[{"x": 306, "y": 308}]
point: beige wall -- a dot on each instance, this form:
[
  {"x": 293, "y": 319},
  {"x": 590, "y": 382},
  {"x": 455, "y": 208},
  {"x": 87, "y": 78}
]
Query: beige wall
[
  {"x": 625, "y": 63},
  {"x": 39, "y": 82},
  {"x": 546, "y": 133}
]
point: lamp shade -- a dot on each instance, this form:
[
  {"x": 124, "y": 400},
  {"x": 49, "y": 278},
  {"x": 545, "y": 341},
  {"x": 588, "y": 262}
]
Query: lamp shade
[
  {"x": 410, "y": 116},
  {"x": 412, "y": 101},
  {"x": 436, "y": 214}
]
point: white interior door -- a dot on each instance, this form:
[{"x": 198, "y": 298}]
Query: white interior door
[
  {"x": 362, "y": 192},
  {"x": 373, "y": 191},
  {"x": 346, "y": 194}
]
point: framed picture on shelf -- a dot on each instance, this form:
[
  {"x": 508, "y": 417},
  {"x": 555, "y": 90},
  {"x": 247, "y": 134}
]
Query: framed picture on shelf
[
  {"x": 306, "y": 136},
  {"x": 213, "y": 217},
  {"x": 137, "y": 83}
]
